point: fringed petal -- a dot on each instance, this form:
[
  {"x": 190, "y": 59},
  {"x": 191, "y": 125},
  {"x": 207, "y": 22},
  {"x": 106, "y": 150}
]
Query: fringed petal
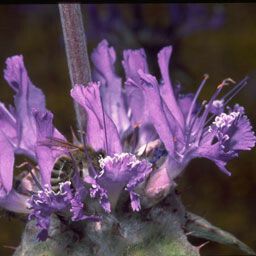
[
  {"x": 122, "y": 171},
  {"x": 226, "y": 137}
]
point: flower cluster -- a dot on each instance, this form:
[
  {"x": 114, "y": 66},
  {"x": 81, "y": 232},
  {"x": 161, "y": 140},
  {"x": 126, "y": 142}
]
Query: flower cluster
[{"x": 138, "y": 139}]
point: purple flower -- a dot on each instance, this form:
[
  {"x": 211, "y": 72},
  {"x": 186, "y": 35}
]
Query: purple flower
[
  {"x": 98, "y": 192},
  {"x": 19, "y": 129},
  {"x": 133, "y": 60},
  {"x": 104, "y": 58},
  {"x": 46, "y": 202},
  {"x": 122, "y": 171},
  {"x": 137, "y": 139},
  {"x": 178, "y": 120},
  {"x": 43, "y": 204},
  {"x": 119, "y": 170},
  {"x": 130, "y": 111},
  {"x": 28, "y": 129},
  {"x": 27, "y": 97},
  {"x": 186, "y": 134},
  {"x": 101, "y": 132},
  {"x": 45, "y": 155},
  {"x": 233, "y": 133}
]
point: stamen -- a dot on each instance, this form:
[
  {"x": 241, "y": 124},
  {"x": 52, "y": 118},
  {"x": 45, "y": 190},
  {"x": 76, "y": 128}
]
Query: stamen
[
  {"x": 238, "y": 87},
  {"x": 206, "y": 76},
  {"x": 226, "y": 82},
  {"x": 193, "y": 121},
  {"x": 231, "y": 94},
  {"x": 207, "y": 109}
]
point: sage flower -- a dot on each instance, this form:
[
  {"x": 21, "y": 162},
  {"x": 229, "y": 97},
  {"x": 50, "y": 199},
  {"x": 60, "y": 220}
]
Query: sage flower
[
  {"x": 188, "y": 132},
  {"x": 186, "y": 128},
  {"x": 139, "y": 137}
]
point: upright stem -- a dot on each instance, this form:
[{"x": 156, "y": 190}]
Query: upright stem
[{"x": 76, "y": 51}]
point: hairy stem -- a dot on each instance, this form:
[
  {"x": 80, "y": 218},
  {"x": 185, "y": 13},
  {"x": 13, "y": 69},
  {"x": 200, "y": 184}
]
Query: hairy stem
[{"x": 76, "y": 52}]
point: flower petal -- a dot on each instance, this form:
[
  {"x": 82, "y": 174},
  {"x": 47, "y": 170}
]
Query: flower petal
[
  {"x": 166, "y": 89},
  {"x": 42, "y": 204},
  {"x": 241, "y": 135},
  {"x": 101, "y": 132},
  {"x": 15, "y": 202},
  {"x": 27, "y": 97},
  {"x": 100, "y": 193},
  {"x": 103, "y": 58},
  {"x": 122, "y": 171},
  {"x": 6, "y": 165},
  {"x": 233, "y": 133},
  {"x": 185, "y": 102},
  {"x": 155, "y": 107},
  {"x": 132, "y": 62},
  {"x": 216, "y": 154},
  {"x": 46, "y": 156},
  {"x": 45, "y": 202},
  {"x": 8, "y": 124}
]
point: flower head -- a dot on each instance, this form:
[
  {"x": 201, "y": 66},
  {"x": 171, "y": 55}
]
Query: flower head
[{"x": 137, "y": 140}]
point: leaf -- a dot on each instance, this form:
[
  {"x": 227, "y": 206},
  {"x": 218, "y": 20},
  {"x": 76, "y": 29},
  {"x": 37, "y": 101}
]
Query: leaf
[{"x": 199, "y": 227}]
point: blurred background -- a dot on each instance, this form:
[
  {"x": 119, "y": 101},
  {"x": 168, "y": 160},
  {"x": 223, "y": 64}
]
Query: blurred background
[{"x": 218, "y": 39}]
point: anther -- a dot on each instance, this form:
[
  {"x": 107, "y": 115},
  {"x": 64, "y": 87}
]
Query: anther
[
  {"x": 225, "y": 82},
  {"x": 206, "y": 76}
]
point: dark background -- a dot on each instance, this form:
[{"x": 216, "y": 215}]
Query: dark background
[{"x": 218, "y": 39}]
